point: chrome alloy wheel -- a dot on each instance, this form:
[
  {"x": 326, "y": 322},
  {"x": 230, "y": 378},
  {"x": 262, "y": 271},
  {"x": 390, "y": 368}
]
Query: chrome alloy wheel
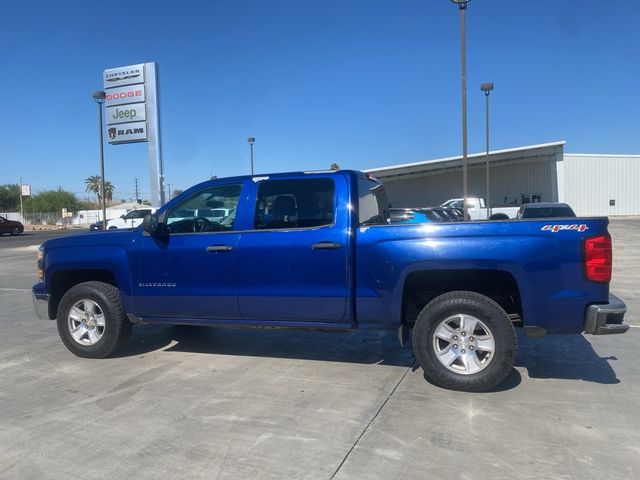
[
  {"x": 86, "y": 322},
  {"x": 463, "y": 344}
]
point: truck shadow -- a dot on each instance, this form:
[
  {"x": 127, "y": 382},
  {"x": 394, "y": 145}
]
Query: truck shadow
[
  {"x": 568, "y": 357},
  {"x": 367, "y": 347}
]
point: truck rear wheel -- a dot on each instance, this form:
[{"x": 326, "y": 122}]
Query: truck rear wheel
[
  {"x": 464, "y": 341},
  {"x": 91, "y": 320}
]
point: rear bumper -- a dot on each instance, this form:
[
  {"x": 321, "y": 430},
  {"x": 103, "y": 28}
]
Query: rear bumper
[
  {"x": 606, "y": 319},
  {"x": 41, "y": 301}
]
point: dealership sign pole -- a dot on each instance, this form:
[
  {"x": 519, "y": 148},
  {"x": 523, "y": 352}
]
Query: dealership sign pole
[{"x": 133, "y": 116}]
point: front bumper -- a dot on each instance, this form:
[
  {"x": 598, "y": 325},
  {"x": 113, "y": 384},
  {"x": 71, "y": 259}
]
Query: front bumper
[
  {"x": 41, "y": 301},
  {"x": 606, "y": 319}
]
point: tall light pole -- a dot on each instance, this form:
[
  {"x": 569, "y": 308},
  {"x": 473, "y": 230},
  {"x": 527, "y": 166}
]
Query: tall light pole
[
  {"x": 99, "y": 97},
  {"x": 486, "y": 88},
  {"x": 462, "y": 6},
  {"x": 251, "y": 141}
]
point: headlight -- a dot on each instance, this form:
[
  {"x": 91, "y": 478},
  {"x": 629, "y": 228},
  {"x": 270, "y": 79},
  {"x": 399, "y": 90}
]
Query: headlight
[{"x": 41, "y": 263}]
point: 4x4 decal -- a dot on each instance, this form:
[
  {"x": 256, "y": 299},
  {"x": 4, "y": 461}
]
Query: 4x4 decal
[{"x": 557, "y": 228}]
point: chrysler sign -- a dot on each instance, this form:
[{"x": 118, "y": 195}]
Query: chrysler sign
[{"x": 117, "y": 77}]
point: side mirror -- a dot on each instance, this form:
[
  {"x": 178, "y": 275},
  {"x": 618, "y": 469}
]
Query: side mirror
[{"x": 151, "y": 225}]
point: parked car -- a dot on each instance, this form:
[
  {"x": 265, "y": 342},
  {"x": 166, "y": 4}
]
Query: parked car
[
  {"x": 447, "y": 214},
  {"x": 96, "y": 225},
  {"x": 292, "y": 254},
  {"x": 411, "y": 215},
  {"x": 545, "y": 210},
  {"x": 131, "y": 219},
  {"x": 12, "y": 227},
  {"x": 477, "y": 210}
]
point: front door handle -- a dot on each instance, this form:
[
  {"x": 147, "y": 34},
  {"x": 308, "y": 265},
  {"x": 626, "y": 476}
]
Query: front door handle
[
  {"x": 219, "y": 248},
  {"x": 326, "y": 246}
]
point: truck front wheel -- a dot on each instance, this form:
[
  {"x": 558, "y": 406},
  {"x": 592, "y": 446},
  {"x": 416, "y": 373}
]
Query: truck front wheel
[
  {"x": 91, "y": 320},
  {"x": 464, "y": 341}
]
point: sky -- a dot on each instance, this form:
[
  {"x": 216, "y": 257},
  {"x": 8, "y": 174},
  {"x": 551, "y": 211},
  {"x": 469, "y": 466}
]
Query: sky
[{"x": 363, "y": 83}]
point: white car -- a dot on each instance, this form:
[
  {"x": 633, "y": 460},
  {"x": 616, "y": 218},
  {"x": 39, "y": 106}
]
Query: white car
[
  {"x": 477, "y": 210},
  {"x": 131, "y": 219}
]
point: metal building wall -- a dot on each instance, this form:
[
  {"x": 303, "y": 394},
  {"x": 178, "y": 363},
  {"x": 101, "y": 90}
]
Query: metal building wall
[
  {"x": 515, "y": 178},
  {"x": 591, "y": 181}
]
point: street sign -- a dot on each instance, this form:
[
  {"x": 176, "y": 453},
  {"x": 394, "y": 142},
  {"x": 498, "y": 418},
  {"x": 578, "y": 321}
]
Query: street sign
[
  {"x": 25, "y": 190},
  {"x": 117, "y": 77},
  {"x": 126, "y": 113},
  {"x": 127, "y": 132}
]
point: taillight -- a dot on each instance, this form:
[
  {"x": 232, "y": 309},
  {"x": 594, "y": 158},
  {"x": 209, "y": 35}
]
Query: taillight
[{"x": 598, "y": 258}]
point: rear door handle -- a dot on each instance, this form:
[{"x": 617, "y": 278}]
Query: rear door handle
[
  {"x": 326, "y": 246},
  {"x": 219, "y": 248}
]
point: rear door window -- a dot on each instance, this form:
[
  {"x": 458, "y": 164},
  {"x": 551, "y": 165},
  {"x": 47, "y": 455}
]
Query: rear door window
[{"x": 300, "y": 203}]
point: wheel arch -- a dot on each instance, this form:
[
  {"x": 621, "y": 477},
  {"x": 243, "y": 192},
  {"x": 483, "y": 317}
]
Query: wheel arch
[
  {"x": 422, "y": 286},
  {"x": 62, "y": 281}
]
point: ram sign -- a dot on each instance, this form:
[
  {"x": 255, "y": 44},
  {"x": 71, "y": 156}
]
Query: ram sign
[{"x": 127, "y": 132}]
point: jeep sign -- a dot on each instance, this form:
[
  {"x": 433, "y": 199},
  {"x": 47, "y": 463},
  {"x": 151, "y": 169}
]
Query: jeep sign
[{"x": 126, "y": 113}]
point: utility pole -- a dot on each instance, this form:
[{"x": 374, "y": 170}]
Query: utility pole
[
  {"x": 137, "y": 192},
  {"x": 21, "y": 208},
  {"x": 169, "y": 188}
]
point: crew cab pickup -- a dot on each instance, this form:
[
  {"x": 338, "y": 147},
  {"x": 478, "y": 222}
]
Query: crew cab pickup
[{"x": 316, "y": 250}]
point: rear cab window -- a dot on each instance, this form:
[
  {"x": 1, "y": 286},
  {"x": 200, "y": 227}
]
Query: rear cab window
[{"x": 373, "y": 208}]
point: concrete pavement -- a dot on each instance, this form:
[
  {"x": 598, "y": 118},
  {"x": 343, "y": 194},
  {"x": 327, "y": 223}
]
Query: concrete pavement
[{"x": 247, "y": 404}]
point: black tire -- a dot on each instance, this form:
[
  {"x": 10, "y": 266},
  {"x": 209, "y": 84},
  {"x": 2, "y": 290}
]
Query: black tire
[
  {"x": 491, "y": 316},
  {"x": 117, "y": 328},
  {"x": 15, "y": 231},
  {"x": 113, "y": 228},
  {"x": 499, "y": 216}
]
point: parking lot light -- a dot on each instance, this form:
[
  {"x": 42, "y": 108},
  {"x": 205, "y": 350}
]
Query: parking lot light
[
  {"x": 251, "y": 141},
  {"x": 486, "y": 88},
  {"x": 99, "y": 97},
  {"x": 462, "y": 6}
]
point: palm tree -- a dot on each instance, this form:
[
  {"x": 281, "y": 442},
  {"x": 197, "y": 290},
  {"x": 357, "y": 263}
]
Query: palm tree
[
  {"x": 94, "y": 185},
  {"x": 108, "y": 190},
  {"x": 334, "y": 166}
]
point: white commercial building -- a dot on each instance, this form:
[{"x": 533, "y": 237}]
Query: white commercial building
[{"x": 593, "y": 184}]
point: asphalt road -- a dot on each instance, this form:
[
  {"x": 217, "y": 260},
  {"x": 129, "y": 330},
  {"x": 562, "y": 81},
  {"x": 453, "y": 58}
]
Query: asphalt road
[
  {"x": 35, "y": 238},
  {"x": 204, "y": 403}
]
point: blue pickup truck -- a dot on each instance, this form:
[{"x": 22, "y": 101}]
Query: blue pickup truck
[{"x": 316, "y": 250}]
